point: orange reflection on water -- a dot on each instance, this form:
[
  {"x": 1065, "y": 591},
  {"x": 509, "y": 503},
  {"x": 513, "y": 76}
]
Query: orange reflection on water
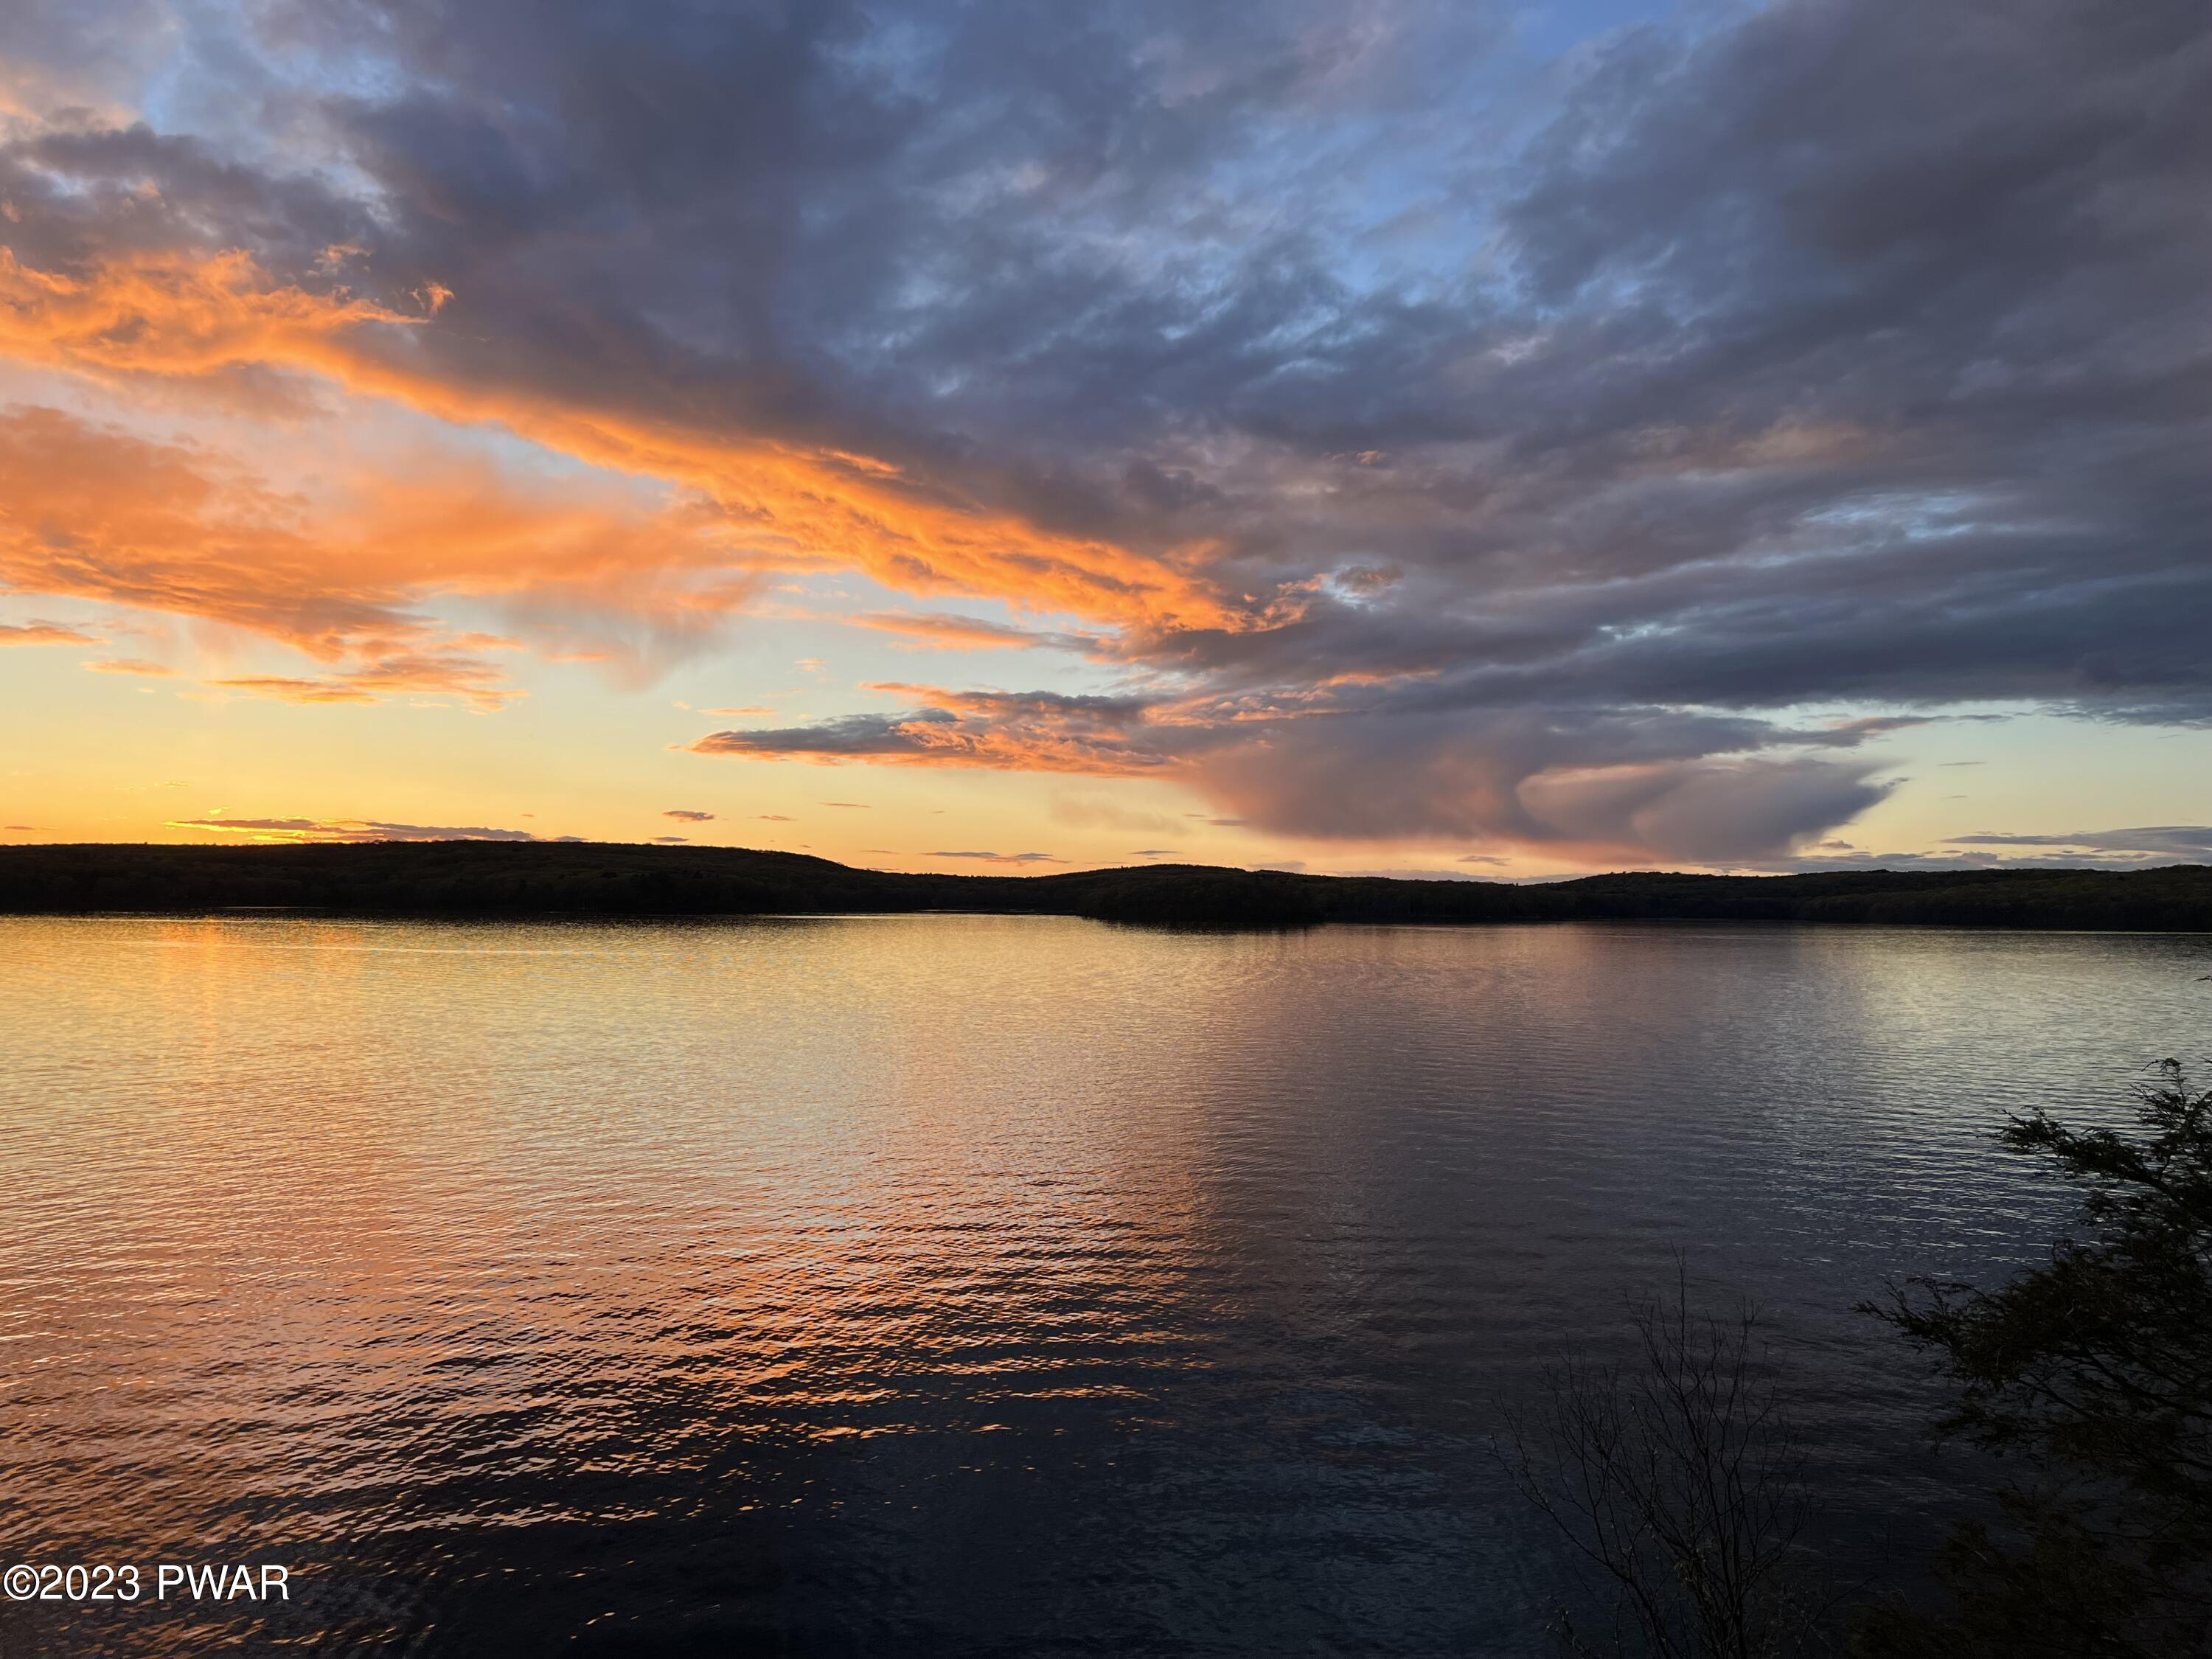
[{"x": 465, "y": 1265}]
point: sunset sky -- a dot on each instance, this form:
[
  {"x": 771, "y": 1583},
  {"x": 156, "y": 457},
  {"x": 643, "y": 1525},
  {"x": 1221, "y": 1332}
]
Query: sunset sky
[{"x": 1391, "y": 437}]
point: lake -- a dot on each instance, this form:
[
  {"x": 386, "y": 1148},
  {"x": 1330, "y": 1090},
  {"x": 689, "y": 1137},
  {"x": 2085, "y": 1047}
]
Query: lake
[{"x": 961, "y": 1285}]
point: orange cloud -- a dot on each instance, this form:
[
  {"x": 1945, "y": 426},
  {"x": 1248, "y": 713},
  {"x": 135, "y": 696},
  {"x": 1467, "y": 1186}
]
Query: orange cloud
[
  {"x": 344, "y": 578},
  {"x": 958, "y": 633},
  {"x": 177, "y": 314},
  {"x": 173, "y": 313},
  {"x": 790, "y": 505},
  {"x": 130, "y": 665},
  {"x": 289, "y": 689},
  {"x": 43, "y": 633},
  {"x": 443, "y": 673}
]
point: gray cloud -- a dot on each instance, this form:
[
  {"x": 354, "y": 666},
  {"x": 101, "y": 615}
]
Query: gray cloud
[
  {"x": 356, "y": 829},
  {"x": 1039, "y": 731},
  {"x": 849, "y": 737},
  {"x": 2190, "y": 842},
  {"x": 1607, "y": 788},
  {"x": 2089, "y": 849},
  {"x": 1609, "y": 784}
]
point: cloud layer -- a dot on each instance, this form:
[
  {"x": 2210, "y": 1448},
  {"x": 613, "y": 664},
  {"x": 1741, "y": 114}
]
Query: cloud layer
[{"x": 1430, "y": 435}]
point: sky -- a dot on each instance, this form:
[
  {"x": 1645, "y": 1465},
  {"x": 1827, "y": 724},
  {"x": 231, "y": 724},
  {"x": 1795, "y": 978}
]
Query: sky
[{"x": 1417, "y": 436}]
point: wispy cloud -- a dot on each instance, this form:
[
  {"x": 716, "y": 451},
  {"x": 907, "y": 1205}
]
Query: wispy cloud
[
  {"x": 446, "y": 674},
  {"x": 946, "y": 633},
  {"x": 351, "y": 830},
  {"x": 2189, "y": 841},
  {"x": 43, "y": 633}
]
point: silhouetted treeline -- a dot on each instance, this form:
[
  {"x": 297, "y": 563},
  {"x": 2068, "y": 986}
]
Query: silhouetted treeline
[{"x": 460, "y": 877}]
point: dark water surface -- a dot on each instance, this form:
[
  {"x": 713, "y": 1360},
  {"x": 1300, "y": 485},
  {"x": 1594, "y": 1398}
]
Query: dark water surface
[{"x": 956, "y": 1284}]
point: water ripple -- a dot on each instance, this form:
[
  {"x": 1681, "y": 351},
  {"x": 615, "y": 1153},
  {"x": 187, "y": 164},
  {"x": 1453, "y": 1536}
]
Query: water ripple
[{"x": 954, "y": 1284}]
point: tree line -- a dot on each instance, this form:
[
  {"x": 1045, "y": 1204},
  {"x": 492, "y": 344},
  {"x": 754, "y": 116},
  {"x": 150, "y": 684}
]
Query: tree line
[{"x": 499, "y": 878}]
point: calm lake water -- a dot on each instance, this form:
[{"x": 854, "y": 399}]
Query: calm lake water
[{"x": 972, "y": 1286}]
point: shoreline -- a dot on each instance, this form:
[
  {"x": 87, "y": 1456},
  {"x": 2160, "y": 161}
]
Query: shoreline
[{"x": 503, "y": 880}]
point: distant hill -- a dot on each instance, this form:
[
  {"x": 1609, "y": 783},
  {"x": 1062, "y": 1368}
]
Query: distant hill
[{"x": 499, "y": 878}]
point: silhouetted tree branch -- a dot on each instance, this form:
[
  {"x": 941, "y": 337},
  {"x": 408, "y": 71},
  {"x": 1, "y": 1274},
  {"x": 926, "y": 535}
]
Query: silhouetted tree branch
[{"x": 1677, "y": 1480}]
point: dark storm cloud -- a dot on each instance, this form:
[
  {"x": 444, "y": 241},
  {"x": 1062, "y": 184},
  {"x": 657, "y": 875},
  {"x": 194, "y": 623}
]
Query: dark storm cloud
[{"x": 1553, "y": 440}]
